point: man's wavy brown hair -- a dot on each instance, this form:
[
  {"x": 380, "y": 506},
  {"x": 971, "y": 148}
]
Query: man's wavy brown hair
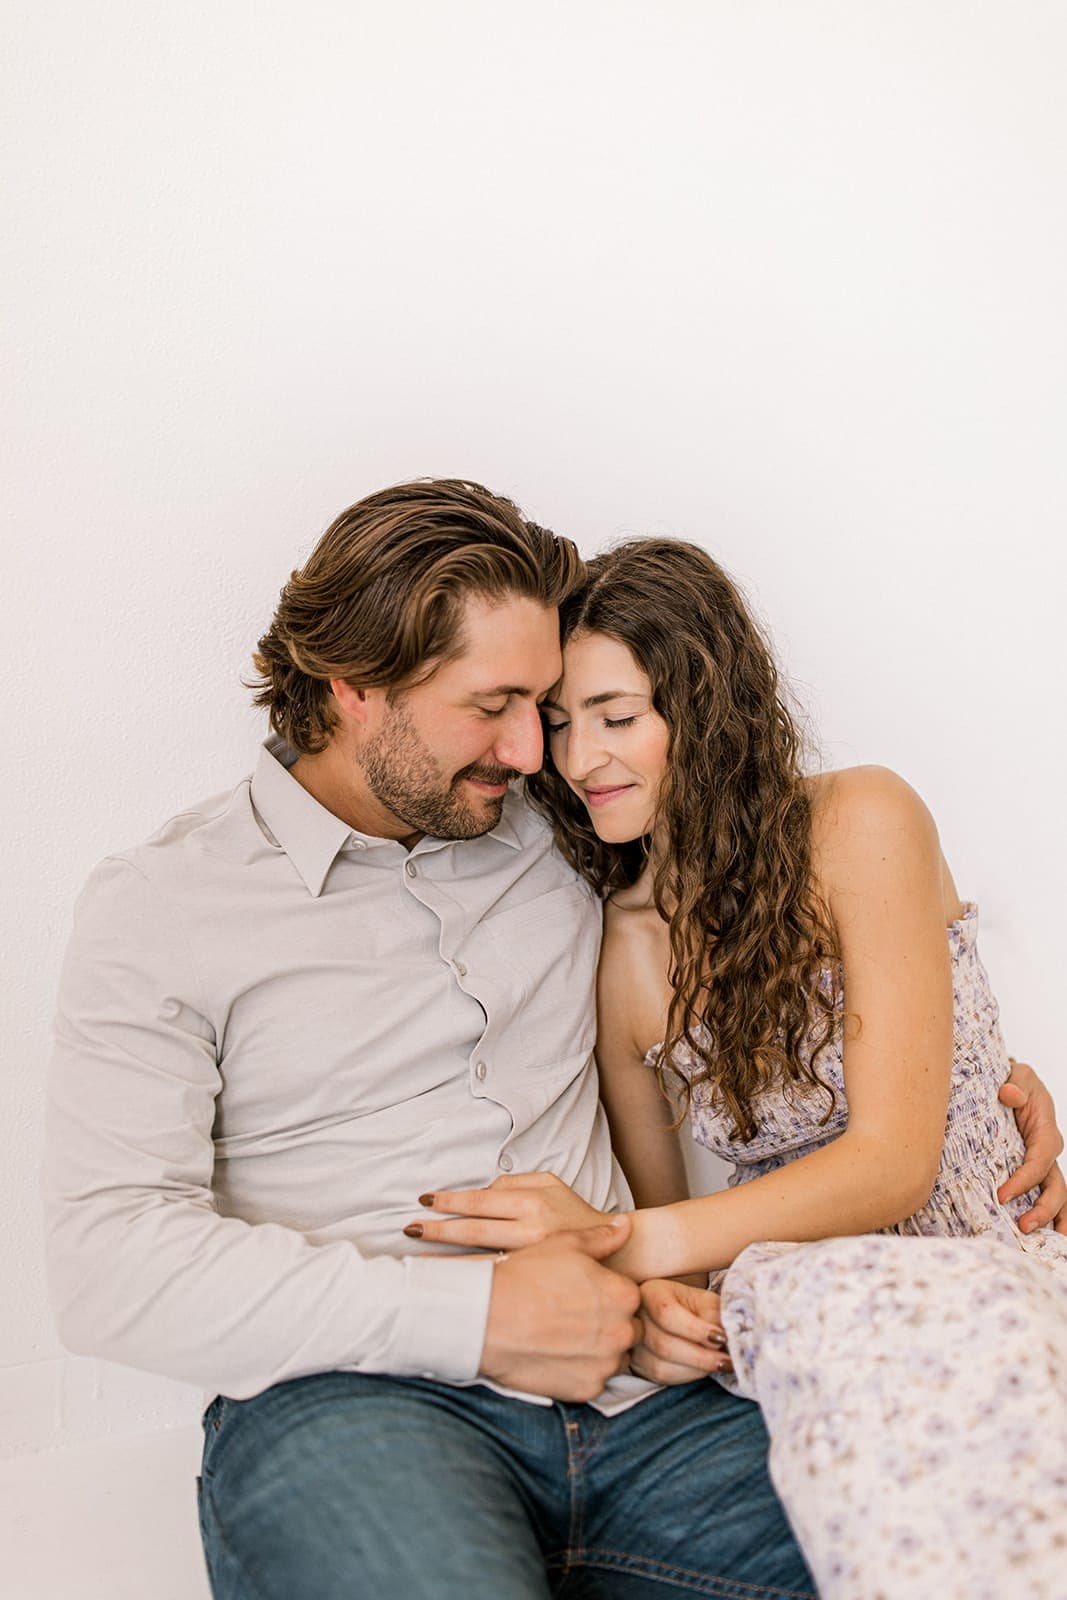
[
  {"x": 379, "y": 602},
  {"x": 749, "y": 936}
]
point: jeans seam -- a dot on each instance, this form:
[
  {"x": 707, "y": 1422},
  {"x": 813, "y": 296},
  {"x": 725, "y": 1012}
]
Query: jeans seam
[
  {"x": 681, "y": 1577},
  {"x": 576, "y": 1484},
  {"x": 238, "y": 1567},
  {"x": 597, "y": 1428}
]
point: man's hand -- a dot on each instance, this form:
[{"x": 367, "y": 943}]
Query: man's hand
[
  {"x": 1035, "y": 1114},
  {"x": 682, "y": 1337},
  {"x": 560, "y": 1324},
  {"x": 513, "y": 1212}
]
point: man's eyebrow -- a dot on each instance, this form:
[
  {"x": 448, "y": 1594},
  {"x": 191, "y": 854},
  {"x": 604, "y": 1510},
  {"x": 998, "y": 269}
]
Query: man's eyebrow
[
  {"x": 600, "y": 699},
  {"x": 523, "y": 690}
]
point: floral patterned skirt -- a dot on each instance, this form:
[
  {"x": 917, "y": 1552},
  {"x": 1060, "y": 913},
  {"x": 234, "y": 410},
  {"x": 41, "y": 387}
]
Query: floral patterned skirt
[{"x": 915, "y": 1393}]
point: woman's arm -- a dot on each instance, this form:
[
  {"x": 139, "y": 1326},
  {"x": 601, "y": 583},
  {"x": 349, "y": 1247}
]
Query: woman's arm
[{"x": 879, "y": 868}]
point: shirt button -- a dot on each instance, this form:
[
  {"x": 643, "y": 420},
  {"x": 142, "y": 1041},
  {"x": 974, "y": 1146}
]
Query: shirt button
[
  {"x": 461, "y": 971},
  {"x": 411, "y": 869},
  {"x": 480, "y": 1070},
  {"x": 505, "y": 1163}
]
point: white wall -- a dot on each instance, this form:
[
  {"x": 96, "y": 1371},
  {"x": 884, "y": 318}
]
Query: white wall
[{"x": 784, "y": 277}]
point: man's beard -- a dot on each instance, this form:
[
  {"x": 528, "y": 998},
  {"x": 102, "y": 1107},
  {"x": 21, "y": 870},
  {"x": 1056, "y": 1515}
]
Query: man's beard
[{"x": 404, "y": 776}]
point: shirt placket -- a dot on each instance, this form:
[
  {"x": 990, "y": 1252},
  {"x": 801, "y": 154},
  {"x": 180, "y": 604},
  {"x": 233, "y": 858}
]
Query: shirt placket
[{"x": 484, "y": 1081}]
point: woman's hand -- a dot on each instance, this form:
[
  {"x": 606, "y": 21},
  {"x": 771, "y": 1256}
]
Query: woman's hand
[
  {"x": 1035, "y": 1114},
  {"x": 683, "y": 1337},
  {"x": 522, "y": 1209}
]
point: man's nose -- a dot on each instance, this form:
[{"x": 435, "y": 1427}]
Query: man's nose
[{"x": 521, "y": 743}]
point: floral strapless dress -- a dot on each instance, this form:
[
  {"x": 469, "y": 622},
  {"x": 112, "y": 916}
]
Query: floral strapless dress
[{"x": 913, "y": 1381}]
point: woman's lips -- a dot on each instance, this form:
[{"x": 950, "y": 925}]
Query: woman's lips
[{"x": 603, "y": 797}]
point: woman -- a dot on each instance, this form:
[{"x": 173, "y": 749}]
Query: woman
[{"x": 776, "y": 960}]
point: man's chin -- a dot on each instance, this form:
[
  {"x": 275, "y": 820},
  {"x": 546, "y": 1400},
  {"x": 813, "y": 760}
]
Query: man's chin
[
  {"x": 467, "y": 821},
  {"x": 484, "y": 817}
]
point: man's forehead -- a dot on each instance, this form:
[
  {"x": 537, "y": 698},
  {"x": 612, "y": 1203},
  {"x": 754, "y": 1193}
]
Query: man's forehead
[
  {"x": 488, "y": 614},
  {"x": 510, "y": 646}
]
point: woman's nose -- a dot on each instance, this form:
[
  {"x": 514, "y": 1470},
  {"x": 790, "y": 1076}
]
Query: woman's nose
[{"x": 585, "y": 754}]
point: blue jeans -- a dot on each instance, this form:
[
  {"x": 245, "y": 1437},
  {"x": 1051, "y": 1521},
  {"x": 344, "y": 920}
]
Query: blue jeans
[{"x": 346, "y": 1485}]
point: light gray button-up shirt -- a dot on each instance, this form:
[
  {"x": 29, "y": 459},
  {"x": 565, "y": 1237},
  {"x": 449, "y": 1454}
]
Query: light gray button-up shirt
[{"x": 274, "y": 1034}]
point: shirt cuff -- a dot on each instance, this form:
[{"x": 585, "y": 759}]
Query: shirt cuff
[{"x": 440, "y": 1332}]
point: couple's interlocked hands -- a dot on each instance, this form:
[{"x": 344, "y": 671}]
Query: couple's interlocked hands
[
  {"x": 590, "y": 1323},
  {"x": 561, "y": 1323}
]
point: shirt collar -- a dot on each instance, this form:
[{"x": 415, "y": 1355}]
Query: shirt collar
[{"x": 311, "y": 836}]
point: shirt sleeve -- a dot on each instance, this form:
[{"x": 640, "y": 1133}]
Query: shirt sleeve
[{"x": 142, "y": 1268}]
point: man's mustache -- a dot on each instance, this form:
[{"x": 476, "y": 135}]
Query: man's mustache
[{"x": 487, "y": 774}]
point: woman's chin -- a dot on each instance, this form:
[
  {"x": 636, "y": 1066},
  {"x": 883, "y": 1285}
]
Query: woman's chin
[{"x": 615, "y": 833}]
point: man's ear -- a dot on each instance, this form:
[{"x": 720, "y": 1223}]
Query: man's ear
[{"x": 361, "y": 706}]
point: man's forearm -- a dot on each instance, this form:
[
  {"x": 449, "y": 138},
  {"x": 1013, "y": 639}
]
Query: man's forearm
[{"x": 173, "y": 1288}]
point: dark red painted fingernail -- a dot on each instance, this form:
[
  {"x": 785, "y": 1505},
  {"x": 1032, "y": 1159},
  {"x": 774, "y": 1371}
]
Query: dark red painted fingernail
[
  {"x": 414, "y": 1230},
  {"x": 427, "y": 1200}
]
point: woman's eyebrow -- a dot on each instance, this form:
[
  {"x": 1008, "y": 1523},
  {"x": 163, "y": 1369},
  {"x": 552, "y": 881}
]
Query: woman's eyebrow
[{"x": 599, "y": 699}]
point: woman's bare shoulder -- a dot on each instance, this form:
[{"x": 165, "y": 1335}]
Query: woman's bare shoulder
[
  {"x": 867, "y": 821},
  {"x": 864, "y": 805}
]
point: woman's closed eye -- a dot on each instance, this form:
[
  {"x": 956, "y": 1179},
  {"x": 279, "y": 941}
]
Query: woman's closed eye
[{"x": 609, "y": 722}]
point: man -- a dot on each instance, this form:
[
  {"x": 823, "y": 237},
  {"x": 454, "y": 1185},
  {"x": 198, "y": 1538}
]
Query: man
[{"x": 362, "y": 975}]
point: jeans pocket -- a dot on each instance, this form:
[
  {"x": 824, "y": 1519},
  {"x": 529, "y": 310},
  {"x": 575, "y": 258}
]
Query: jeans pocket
[
  {"x": 212, "y": 1422},
  {"x": 216, "y": 1413}
]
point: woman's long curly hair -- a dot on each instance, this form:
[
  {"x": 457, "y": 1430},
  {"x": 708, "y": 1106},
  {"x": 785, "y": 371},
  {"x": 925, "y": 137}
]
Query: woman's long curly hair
[{"x": 749, "y": 935}]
